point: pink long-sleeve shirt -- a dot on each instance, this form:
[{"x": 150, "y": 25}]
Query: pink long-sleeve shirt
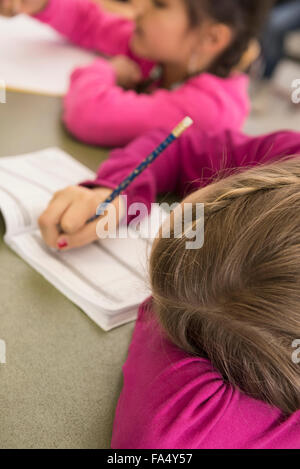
[
  {"x": 169, "y": 399},
  {"x": 98, "y": 111}
]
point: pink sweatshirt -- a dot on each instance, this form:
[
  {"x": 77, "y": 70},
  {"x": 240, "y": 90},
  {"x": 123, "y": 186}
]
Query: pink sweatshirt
[
  {"x": 98, "y": 111},
  {"x": 169, "y": 399}
]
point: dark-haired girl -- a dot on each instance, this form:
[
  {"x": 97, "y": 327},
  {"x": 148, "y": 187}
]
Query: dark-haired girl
[{"x": 180, "y": 57}]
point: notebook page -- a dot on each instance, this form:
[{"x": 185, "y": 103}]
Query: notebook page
[
  {"x": 93, "y": 273},
  {"x": 65, "y": 279},
  {"x": 27, "y": 184},
  {"x": 36, "y": 58},
  {"x": 108, "y": 279}
]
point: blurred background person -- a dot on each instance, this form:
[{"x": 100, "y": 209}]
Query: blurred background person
[
  {"x": 277, "y": 66},
  {"x": 284, "y": 19}
]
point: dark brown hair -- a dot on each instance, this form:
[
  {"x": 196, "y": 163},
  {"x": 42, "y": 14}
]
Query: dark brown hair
[
  {"x": 236, "y": 301},
  {"x": 245, "y": 17}
]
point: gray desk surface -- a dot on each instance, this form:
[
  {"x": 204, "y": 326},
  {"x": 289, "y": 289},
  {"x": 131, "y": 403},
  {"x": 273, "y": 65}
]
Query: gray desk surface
[{"x": 63, "y": 375}]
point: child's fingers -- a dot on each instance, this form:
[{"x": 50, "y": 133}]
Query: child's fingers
[
  {"x": 7, "y": 7},
  {"x": 17, "y": 6},
  {"x": 77, "y": 214},
  {"x": 50, "y": 219},
  {"x": 127, "y": 71},
  {"x": 85, "y": 235},
  {"x": 14, "y": 7},
  {"x": 135, "y": 71},
  {"x": 3, "y": 6},
  {"x": 136, "y": 75},
  {"x": 88, "y": 233},
  {"x": 68, "y": 212},
  {"x": 30, "y": 7}
]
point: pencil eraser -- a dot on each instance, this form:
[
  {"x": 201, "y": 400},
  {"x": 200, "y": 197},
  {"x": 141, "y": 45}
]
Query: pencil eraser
[{"x": 187, "y": 122}]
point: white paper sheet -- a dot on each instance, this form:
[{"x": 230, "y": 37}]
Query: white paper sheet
[
  {"x": 29, "y": 181},
  {"x": 35, "y": 58},
  {"x": 108, "y": 279}
]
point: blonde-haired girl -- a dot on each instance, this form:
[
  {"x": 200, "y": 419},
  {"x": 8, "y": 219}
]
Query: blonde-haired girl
[{"x": 213, "y": 361}]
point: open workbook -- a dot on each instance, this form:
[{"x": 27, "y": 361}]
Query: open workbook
[{"x": 106, "y": 279}]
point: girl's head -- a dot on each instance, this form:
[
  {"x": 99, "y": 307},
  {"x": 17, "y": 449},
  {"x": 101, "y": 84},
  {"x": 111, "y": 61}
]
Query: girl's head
[
  {"x": 199, "y": 35},
  {"x": 236, "y": 301}
]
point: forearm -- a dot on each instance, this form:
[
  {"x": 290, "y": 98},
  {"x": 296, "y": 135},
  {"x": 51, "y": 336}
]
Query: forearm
[
  {"x": 86, "y": 24},
  {"x": 191, "y": 162}
]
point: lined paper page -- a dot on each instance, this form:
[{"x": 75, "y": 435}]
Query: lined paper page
[
  {"x": 27, "y": 183},
  {"x": 108, "y": 279},
  {"x": 111, "y": 274},
  {"x": 34, "y": 57},
  {"x": 90, "y": 275}
]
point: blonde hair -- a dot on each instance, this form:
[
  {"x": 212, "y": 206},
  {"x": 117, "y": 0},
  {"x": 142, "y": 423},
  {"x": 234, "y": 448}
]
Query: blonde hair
[{"x": 236, "y": 301}]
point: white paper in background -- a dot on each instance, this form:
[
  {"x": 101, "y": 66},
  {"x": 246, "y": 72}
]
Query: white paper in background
[
  {"x": 286, "y": 73},
  {"x": 34, "y": 57}
]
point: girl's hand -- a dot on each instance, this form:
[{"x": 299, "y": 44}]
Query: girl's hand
[
  {"x": 128, "y": 72},
  {"x": 14, "y": 7},
  {"x": 69, "y": 210}
]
